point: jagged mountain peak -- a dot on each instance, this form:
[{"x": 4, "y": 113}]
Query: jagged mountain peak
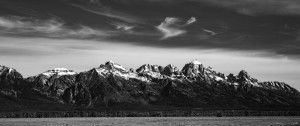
[
  {"x": 244, "y": 77},
  {"x": 171, "y": 66},
  {"x": 243, "y": 73},
  {"x": 5, "y": 68},
  {"x": 111, "y": 69},
  {"x": 196, "y": 62},
  {"x": 171, "y": 70},
  {"x": 112, "y": 66},
  {"x": 110, "y": 62},
  {"x": 60, "y": 69},
  {"x": 150, "y": 68},
  {"x": 2, "y": 67},
  {"x": 151, "y": 71},
  {"x": 193, "y": 69}
]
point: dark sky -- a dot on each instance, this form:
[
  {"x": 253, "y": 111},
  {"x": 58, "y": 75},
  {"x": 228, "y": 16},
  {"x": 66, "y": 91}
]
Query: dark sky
[
  {"x": 264, "y": 25},
  {"x": 220, "y": 32}
]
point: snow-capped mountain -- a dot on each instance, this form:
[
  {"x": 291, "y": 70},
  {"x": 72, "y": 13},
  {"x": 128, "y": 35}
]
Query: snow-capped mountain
[
  {"x": 46, "y": 77},
  {"x": 111, "y": 83},
  {"x": 196, "y": 70},
  {"x": 8, "y": 74},
  {"x": 112, "y": 68},
  {"x": 9, "y": 78},
  {"x": 54, "y": 81}
]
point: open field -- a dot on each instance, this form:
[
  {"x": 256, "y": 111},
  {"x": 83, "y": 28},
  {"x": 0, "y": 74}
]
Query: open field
[{"x": 151, "y": 121}]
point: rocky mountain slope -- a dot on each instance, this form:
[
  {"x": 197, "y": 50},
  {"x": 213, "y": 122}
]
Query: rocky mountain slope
[{"x": 150, "y": 86}]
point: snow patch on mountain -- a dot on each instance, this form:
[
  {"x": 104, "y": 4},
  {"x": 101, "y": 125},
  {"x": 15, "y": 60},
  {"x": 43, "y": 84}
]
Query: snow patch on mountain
[
  {"x": 196, "y": 62},
  {"x": 59, "y": 72}
]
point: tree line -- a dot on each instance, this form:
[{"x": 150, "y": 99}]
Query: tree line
[{"x": 176, "y": 113}]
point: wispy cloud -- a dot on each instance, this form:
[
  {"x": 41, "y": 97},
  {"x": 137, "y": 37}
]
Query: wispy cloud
[
  {"x": 17, "y": 24},
  {"x": 191, "y": 20},
  {"x": 212, "y": 33},
  {"x": 122, "y": 26},
  {"x": 109, "y": 12},
  {"x": 172, "y": 27},
  {"x": 47, "y": 28},
  {"x": 169, "y": 29}
]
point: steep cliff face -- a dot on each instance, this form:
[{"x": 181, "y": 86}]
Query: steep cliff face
[{"x": 111, "y": 84}]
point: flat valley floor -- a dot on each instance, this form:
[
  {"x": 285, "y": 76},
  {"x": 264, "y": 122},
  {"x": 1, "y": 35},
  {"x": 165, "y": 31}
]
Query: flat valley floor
[{"x": 152, "y": 121}]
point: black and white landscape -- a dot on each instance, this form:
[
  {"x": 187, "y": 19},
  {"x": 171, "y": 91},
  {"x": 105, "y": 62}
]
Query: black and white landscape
[
  {"x": 148, "y": 87},
  {"x": 253, "y": 46}
]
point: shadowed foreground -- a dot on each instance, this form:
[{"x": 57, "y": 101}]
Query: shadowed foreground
[{"x": 165, "y": 121}]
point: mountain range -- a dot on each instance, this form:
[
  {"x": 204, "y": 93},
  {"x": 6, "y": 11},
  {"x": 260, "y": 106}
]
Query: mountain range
[{"x": 150, "y": 86}]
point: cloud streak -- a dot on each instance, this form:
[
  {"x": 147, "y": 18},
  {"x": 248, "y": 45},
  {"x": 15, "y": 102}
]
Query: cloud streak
[
  {"x": 212, "y": 33},
  {"x": 100, "y": 9},
  {"x": 47, "y": 28}
]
